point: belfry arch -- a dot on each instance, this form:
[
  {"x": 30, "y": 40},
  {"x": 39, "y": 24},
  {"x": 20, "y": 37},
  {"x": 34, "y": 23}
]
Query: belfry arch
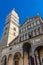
[{"x": 4, "y": 60}]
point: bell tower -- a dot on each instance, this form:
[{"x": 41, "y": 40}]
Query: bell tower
[{"x": 11, "y": 28}]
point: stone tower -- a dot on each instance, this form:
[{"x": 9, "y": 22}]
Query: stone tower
[{"x": 11, "y": 28}]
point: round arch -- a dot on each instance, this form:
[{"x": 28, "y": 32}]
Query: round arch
[
  {"x": 17, "y": 57},
  {"x": 39, "y": 55},
  {"x": 18, "y": 54},
  {"x": 38, "y": 48},
  {"x": 26, "y": 47},
  {"x": 4, "y": 60}
]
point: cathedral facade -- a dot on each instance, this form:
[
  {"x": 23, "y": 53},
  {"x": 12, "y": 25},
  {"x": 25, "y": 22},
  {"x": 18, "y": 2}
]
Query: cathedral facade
[{"x": 22, "y": 45}]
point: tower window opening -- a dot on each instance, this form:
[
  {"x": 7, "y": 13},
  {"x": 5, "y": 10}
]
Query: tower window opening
[
  {"x": 15, "y": 29},
  {"x": 5, "y": 33},
  {"x": 6, "y": 28},
  {"x": 14, "y": 34}
]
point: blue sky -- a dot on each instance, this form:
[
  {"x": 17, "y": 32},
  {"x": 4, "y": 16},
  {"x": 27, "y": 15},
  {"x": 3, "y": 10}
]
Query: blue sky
[{"x": 24, "y": 8}]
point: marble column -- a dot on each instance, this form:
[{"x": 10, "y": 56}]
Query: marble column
[
  {"x": 37, "y": 32},
  {"x": 13, "y": 62},
  {"x": 24, "y": 36},
  {"x": 37, "y": 58},
  {"x": 23, "y": 60},
  {"x": 29, "y": 62},
  {"x": 34, "y": 59},
  {"x": 23, "y": 56},
  {"x": 7, "y": 61},
  {"x": 33, "y": 33},
  {"x": 41, "y": 30},
  {"x": 27, "y": 36}
]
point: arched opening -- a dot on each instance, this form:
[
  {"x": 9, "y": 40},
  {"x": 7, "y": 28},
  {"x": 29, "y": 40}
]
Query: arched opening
[
  {"x": 39, "y": 55},
  {"x": 17, "y": 59},
  {"x": 26, "y": 50},
  {"x": 10, "y": 60},
  {"x": 3, "y": 61}
]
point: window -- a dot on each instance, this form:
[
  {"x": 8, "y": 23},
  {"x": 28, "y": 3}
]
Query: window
[
  {"x": 15, "y": 29},
  {"x": 14, "y": 34},
  {"x": 6, "y": 28}
]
